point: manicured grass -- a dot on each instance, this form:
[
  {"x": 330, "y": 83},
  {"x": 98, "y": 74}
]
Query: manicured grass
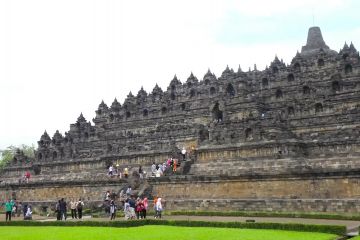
[{"x": 153, "y": 232}]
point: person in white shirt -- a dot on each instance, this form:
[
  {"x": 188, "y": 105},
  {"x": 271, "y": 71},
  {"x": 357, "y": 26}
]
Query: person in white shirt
[
  {"x": 111, "y": 170},
  {"x": 28, "y": 214},
  {"x": 128, "y": 191},
  {"x": 153, "y": 169},
  {"x": 73, "y": 204},
  {"x": 127, "y": 211},
  {"x": 158, "y": 208},
  {"x": 183, "y": 153}
]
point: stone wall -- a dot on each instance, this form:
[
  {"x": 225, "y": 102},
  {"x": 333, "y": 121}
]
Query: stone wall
[
  {"x": 279, "y": 205},
  {"x": 260, "y": 188},
  {"x": 53, "y": 191},
  {"x": 307, "y": 193}
]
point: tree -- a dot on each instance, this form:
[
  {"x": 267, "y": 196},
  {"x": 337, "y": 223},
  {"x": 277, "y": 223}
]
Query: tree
[
  {"x": 28, "y": 150},
  {"x": 8, "y": 154}
]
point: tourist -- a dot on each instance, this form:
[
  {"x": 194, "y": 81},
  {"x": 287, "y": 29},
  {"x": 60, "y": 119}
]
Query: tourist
[
  {"x": 132, "y": 204},
  {"x": 183, "y": 153},
  {"x": 24, "y": 210},
  {"x": 126, "y": 172},
  {"x": 159, "y": 172},
  {"x": 73, "y": 204},
  {"x": 154, "y": 203},
  {"x": 13, "y": 211},
  {"x": 127, "y": 212},
  {"x": 171, "y": 162},
  {"x": 158, "y": 208},
  {"x": 28, "y": 214},
  {"x": 107, "y": 196},
  {"x": 174, "y": 165},
  {"x": 111, "y": 169},
  {"x": 63, "y": 209},
  {"x": 57, "y": 210},
  {"x": 8, "y": 209},
  {"x": 19, "y": 208},
  {"x": 107, "y": 208},
  {"x": 163, "y": 167},
  {"x": 146, "y": 204},
  {"x": 122, "y": 196},
  {"x": 118, "y": 171},
  {"x": 27, "y": 176},
  {"x": 141, "y": 172},
  {"x": 112, "y": 210},
  {"x": 139, "y": 206},
  {"x": 153, "y": 169},
  {"x": 128, "y": 190},
  {"x": 79, "y": 207}
]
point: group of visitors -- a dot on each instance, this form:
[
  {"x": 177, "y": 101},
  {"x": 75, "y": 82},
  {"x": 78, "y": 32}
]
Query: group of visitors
[
  {"x": 116, "y": 171},
  {"x": 13, "y": 208},
  {"x": 135, "y": 208},
  {"x": 76, "y": 208},
  {"x": 158, "y": 170},
  {"x": 110, "y": 206}
]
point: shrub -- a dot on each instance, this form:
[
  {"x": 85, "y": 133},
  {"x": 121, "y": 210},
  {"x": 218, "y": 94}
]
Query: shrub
[
  {"x": 338, "y": 230},
  {"x": 86, "y": 211},
  {"x": 268, "y": 214}
]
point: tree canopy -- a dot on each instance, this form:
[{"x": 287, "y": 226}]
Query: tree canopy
[{"x": 8, "y": 154}]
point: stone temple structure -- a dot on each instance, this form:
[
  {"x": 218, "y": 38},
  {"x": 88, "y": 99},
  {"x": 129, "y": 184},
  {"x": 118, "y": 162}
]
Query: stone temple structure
[{"x": 282, "y": 139}]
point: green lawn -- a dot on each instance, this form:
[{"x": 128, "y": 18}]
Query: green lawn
[{"x": 153, "y": 232}]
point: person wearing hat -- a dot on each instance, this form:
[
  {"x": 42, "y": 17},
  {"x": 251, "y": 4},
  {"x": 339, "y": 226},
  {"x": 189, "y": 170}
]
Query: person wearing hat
[{"x": 126, "y": 172}]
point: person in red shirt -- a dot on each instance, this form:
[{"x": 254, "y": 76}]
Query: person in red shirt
[{"x": 27, "y": 176}]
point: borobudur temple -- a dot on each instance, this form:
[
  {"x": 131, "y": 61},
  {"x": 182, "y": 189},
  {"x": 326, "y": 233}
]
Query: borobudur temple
[{"x": 282, "y": 139}]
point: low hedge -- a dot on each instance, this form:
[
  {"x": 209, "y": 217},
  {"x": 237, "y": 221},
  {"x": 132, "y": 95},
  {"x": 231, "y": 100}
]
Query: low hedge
[
  {"x": 333, "y": 229},
  {"x": 267, "y": 214}
]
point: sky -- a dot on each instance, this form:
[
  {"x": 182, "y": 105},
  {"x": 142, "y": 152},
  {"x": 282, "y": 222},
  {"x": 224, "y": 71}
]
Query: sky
[{"x": 61, "y": 58}]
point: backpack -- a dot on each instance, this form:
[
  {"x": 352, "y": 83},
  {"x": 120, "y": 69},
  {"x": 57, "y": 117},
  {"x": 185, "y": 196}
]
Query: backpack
[{"x": 79, "y": 205}]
